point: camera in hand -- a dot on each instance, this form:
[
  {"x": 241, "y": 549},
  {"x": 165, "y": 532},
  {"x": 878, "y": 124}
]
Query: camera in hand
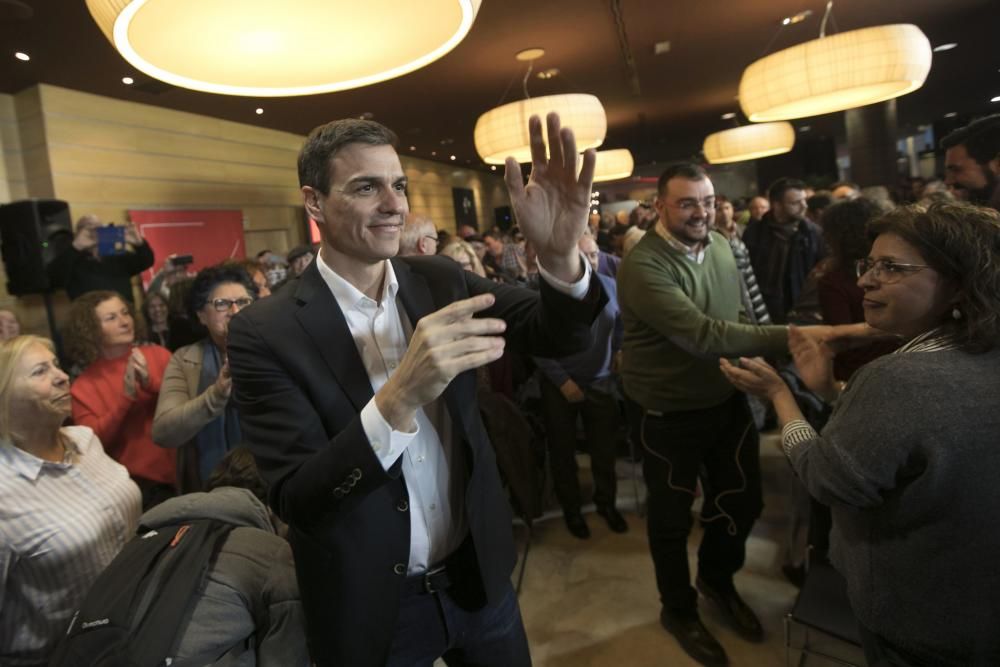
[{"x": 110, "y": 240}]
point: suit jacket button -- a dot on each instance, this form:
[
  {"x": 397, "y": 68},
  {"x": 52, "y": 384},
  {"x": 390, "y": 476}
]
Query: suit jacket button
[
  {"x": 338, "y": 493},
  {"x": 403, "y": 506},
  {"x": 399, "y": 568},
  {"x": 356, "y": 474}
]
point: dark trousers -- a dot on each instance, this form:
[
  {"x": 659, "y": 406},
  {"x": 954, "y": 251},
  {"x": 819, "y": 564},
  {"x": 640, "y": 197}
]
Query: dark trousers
[
  {"x": 434, "y": 625},
  {"x": 721, "y": 446},
  {"x": 600, "y": 416},
  {"x": 879, "y": 652}
]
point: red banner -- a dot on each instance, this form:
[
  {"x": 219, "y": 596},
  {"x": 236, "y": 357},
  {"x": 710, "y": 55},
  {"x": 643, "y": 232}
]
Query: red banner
[{"x": 209, "y": 237}]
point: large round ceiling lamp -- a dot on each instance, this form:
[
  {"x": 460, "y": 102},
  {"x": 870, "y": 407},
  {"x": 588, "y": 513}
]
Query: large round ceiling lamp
[
  {"x": 749, "y": 142},
  {"x": 842, "y": 71},
  {"x": 503, "y": 131},
  {"x": 259, "y": 48},
  {"x": 613, "y": 165}
]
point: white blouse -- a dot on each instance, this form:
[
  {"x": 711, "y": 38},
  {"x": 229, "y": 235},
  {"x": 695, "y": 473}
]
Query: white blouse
[{"x": 60, "y": 525}]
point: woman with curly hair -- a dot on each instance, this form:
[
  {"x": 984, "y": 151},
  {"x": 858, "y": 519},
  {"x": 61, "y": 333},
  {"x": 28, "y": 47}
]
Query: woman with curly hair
[
  {"x": 115, "y": 394},
  {"x": 908, "y": 461},
  {"x": 194, "y": 413}
]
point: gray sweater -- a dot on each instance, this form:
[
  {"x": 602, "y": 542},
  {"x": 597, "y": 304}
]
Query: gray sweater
[
  {"x": 250, "y": 589},
  {"x": 910, "y": 464}
]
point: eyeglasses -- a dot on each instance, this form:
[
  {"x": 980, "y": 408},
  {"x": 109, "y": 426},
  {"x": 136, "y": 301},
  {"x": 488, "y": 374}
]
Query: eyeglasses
[
  {"x": 223, "y": 305},
  {"x": 432, "y": 238},
  {"x": 689, "y": 205},
  {"x": 886, "y": 271}
]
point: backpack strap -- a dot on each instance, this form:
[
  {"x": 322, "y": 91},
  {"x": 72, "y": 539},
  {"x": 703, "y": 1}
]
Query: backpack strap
[{"x": 168, "y": 598}]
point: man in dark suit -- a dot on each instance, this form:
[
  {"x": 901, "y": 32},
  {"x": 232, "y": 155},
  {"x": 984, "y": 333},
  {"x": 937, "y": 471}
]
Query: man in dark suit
[{"x": 356, "y": 389}]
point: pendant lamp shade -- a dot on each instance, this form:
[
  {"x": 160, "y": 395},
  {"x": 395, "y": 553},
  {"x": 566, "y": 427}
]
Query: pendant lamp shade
[
  {"x": 843, "y": 71},
  {"x": 503, "y": 131},
  {"x": 613, "y": 165},
  {"x": 749, "y": 142},
  {"x": 260, "y": 48}
]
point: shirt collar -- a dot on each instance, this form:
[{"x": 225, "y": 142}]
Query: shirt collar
[
  {"x": 692, "y": 254},
  {"x": 347, "y": 295},
  {"x": 30, "y": 466}
]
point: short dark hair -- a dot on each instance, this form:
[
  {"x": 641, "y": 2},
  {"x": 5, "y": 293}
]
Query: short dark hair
[
  {"x": 962, "y": 243},
  {"x": 688, "y": 170},
  {"x": 211, "y": 277},
  {"x": 238, "y": 468},
  {"x": 778, "y": 189},
  {"x": 845, "y": 230},
  {"x": 818, "y": 202},
  {"x": 981, "y": 139},
  {"x": 325, "y": 141}
]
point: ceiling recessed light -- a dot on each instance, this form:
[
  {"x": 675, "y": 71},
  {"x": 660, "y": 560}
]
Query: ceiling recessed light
[
  {"x": 944, "y": 47},
  {"x": 413, "y": 148},
  {"x": 661, "y": 47},
  {"x": 493, "y": 167},
  {"x": 996, "y": 99},
  {"x": 259, "y": 111},
  {"x": 805, "y": 128},
  {"x": 21, "y": 55},
  {"x": 549, "y": 73},
  {"x": 452, "y": 157},
  {"x": 728, "y": 116},
  {"x": 127, "y": 80},
  {"x": 951, "y": 114},
  {"x": 433, "y": 153}
]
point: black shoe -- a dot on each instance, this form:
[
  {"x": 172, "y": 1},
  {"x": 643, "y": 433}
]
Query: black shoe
[
  {"x": 740, "y": 616},
  {"x": 694, "y": 638},
  {"x": 616, "y": 522},
  {"x": 577, "y": 525}
]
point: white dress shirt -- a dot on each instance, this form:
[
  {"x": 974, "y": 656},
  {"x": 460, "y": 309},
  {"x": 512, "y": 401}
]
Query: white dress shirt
[{"x": 381, "y": 332}]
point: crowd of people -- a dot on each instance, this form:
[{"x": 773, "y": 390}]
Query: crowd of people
[{"x": 328, "y": 404}]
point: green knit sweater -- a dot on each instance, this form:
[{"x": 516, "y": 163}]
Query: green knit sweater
[{"x": 680, "y": 317}]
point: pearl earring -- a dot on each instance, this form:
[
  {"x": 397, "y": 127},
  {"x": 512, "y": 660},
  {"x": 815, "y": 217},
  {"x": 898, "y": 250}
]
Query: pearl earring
[{"x": 956, "y": 314}]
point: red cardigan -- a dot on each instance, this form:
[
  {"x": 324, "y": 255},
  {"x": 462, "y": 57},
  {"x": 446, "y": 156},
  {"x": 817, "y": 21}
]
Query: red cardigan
[{"x": 124, "y": 425}]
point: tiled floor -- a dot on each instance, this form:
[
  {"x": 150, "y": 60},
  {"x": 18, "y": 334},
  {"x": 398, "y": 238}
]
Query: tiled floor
[{"x": 594, "y": 602}]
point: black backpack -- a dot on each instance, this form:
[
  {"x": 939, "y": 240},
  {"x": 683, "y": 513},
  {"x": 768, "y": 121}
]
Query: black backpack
[{"x": 134, "y": 612}]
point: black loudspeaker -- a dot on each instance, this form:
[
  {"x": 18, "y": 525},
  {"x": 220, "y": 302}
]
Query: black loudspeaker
[{"x": 33, "y": 232}]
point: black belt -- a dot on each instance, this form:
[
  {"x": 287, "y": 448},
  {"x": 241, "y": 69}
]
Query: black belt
[
  {"x": 443, "y": 575},
  {"x": 433, "y": 580}
]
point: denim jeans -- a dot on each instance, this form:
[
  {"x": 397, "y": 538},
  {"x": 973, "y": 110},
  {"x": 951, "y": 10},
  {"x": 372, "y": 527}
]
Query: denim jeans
[
  {"x": 719, "y": 445},
  {"x": 432, "y": 626}
]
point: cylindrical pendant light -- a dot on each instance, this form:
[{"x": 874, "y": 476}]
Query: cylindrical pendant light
[
  {"x": 503, "y": 131},
  {"x": 613, "y": 165},
  {"x": 274, "y": 49},
  {"x": 749, "y": 142},
  {"x": 843, "y": 71}
]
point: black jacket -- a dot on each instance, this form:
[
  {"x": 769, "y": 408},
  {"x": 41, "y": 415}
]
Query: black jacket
[{"x": 300, "y": 386}]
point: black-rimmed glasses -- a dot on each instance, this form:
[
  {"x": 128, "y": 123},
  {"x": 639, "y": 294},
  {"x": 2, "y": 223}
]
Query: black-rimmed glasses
[{"x": 222, "y": 305}]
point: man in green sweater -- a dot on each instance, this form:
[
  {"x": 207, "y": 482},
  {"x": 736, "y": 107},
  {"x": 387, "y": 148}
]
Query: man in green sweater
[{"x": 680, "y": 300}]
